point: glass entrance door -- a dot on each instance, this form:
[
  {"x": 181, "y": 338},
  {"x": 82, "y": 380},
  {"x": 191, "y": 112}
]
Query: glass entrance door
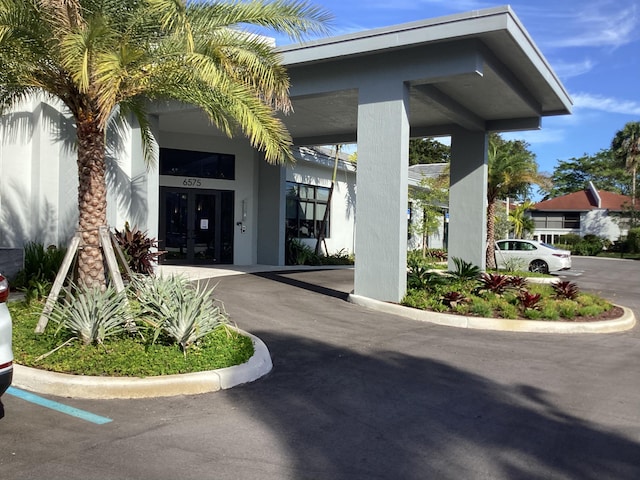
[{"x": 196, "y": 226}]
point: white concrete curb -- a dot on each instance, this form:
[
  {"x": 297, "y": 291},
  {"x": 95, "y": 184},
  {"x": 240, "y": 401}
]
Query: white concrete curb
[
  {"x": 80, "y": 386},
  {"x": 625, "y": 322}
]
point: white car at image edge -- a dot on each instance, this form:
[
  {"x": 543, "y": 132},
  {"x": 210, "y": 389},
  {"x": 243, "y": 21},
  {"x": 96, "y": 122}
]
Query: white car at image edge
[
  {"x": 532, "y": 255},
  {"x": 6, "y": 352}
]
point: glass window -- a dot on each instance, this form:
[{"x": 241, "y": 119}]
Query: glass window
[
  {"x": 186, "y": 163},
  {"x": 306, "y": 206},
  {"x": 571, "y": 220}
]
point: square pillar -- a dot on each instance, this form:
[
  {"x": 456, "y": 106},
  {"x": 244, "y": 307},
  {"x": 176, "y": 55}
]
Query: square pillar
[
  {"x": 382, "y": 182},
  {"x": 468, "y": 198},
  {"x": 271, "y": 214}
]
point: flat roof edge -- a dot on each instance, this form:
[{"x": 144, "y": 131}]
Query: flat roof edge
[{"x": 393, "y": 30}]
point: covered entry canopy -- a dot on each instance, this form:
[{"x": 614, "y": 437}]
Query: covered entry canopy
[
  {"x": 479, "y": 71},
  {"x": 462, "y": 75}
]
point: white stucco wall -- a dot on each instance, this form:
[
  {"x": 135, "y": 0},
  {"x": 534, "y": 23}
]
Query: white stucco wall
[
  {"x": 600, "y": 223},
  {"x": 38, "y": 176}
]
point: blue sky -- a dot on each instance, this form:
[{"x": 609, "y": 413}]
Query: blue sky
[{"x": 592, "y": 45}]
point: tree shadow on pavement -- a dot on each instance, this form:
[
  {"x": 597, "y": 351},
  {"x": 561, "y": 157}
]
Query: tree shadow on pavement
[{"x": 345, "y": 414}]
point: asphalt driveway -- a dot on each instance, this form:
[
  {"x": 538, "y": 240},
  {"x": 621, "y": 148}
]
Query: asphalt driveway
[{"x": 355, "y": 394}]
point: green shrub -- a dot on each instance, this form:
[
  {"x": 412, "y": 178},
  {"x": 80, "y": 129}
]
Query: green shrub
[
  {"x": 416, "y": 298},
  {"x": 633, "y": 240},
  {"x": 590, "y": 310},
  {"x": 41, "y": 266},
  {"x": 507, "y": 310},
  {"x": 299, "y": 253},
  {"x": 341, "y": 257},
  {"x": 590, "y": 245},
  {"x": 567, "y": 309},
  {"x": 569, "y": 239},
  {"x": 532, "y": 314},
  {"x": 549, "y": 310},
  {"x": 480, "y": 307}
]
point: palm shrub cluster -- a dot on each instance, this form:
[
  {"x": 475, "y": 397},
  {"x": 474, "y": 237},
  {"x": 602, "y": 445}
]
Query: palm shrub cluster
[
  {"x": 299, "y": 253},
  {"x": 167, "y": 309},
  {"x": 467, "y": 291},
  {"x": 41, "y": 266}
]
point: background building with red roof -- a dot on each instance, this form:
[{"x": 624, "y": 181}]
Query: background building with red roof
[{"x": 589, "y": 211}]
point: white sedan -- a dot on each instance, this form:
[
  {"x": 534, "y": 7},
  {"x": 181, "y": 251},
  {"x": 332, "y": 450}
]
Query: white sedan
[
  {"x": 6, "y": 354},
  {"x": 514, "y": 254}
]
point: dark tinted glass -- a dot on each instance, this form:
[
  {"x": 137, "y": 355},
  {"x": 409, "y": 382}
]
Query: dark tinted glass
[{"x": 186, "y": 163}]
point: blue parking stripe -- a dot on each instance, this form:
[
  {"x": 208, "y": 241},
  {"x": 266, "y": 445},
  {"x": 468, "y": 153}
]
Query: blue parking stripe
[{"x": 60, "y": 407}]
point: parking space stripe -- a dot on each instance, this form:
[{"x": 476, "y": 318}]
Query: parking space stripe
[{"x": 60, "y": 407}]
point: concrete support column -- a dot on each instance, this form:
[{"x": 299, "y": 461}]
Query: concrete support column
[
  {"x": 381, "y": 210},
  {"x": 271, "y": 214},
  {"x": 468, "y": 198}
]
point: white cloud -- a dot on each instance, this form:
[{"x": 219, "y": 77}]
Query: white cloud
[
  {"x": 606, "y": 104},
  {"x": 567, "y": 70},
  {"x": 601, "y": 24},
  {"x": 536, "y": 137}
]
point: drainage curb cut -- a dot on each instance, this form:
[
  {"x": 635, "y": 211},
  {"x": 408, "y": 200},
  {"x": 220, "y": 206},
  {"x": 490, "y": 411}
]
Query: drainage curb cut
[
  {"x": 625, "y": 322},
  {"x": 80, "y": 386}
]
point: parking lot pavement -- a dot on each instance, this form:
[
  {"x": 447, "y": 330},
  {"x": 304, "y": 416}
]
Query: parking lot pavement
[{"x": 355, "y": 394}]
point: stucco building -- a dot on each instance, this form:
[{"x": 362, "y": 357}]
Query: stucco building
[{"x": 462, "y": 75}]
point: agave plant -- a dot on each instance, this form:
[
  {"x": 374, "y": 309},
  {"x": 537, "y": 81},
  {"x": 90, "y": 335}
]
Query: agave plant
[
  {"x": 565, "y": 290},
  {"x": 91, "y": 314},
  {"x": 495, "y": 283},
  {"x": 172, "y": 305}
]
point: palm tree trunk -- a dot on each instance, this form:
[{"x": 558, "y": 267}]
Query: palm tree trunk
[
  {"x": 92, "y": 202},
  {"x": 633, "y": 187},
  {"x": 491, "y": 240}
]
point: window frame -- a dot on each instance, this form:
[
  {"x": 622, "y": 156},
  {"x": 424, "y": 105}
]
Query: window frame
[{"x": 306, "y": 196}]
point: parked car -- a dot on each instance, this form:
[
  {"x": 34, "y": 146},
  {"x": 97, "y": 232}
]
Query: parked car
[
  {"x": 536, "y": 256},
  {"x": 6, "y": 352}
]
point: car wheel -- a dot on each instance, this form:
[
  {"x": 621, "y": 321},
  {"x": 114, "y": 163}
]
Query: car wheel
[{"x": 539, "y": 266}]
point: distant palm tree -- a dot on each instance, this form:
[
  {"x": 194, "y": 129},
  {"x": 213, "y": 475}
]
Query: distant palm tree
[
  {"x": 626, "y": 150},
  {"x": 520, "y": 221},
  {"x": 97, "y": 55},
  {"x": 512, "y": 168}
]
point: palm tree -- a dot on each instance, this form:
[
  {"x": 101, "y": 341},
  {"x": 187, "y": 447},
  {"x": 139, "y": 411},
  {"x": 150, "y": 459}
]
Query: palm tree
[
  {"x": 520, "y": 221},
  {"x": 106, "y": 57},
  {"x": 512, "y": 168},
  {"x": 626, "y": 150}
]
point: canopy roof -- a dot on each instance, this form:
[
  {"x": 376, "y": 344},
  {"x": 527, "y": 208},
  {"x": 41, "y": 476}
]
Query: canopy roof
[{"x": 479, "y": 71}]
